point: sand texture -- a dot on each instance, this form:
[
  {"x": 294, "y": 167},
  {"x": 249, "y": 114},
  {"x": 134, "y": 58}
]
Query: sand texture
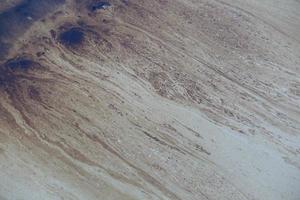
[{"x": 150, "y": 100}]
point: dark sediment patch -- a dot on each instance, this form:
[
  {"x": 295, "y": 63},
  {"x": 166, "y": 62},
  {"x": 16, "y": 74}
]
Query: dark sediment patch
[
  {"x": 15, "y": 21},
  {"x": 14, "y": 68},
  {"x": 19, "y": 64},
  {"x": 72, "y": 37},
  {"x": 21, "y": 82},
  {"x": 97, "y": 5}
]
